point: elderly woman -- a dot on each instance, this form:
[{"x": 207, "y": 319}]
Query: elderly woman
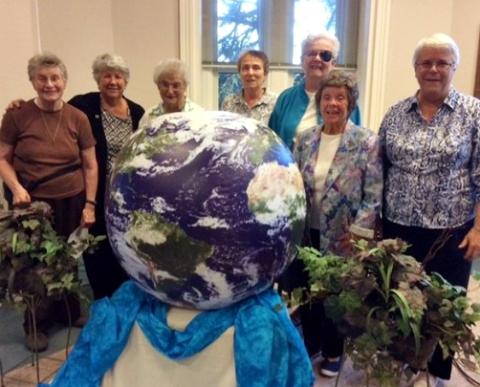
[
  {"x": 170, "y": 76},
  {"x": 295, "y": 110},
  {"x": 113, "y": 118},
  {"x": 343, "y": 177},
  {"x": 432, "y": 162},
  {"x": 47, "y": 153},
  {"x": 254, "y": 100}
]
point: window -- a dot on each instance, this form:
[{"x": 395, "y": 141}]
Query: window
[
  {"x": 237, "y": 28},
  {"x": 276, "y": 27}
]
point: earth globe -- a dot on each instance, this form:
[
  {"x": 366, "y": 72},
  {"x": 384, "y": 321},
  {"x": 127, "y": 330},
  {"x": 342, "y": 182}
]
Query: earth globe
[{"x": 205, "y": 208}]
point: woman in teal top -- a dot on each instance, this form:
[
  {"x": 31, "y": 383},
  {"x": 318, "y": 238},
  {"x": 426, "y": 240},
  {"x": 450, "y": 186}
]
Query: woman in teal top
[{"x": 295, "y": 109}]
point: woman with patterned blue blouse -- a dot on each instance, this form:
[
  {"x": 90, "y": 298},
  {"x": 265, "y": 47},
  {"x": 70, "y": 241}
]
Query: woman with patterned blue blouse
[
  {"x": 432, "y": 167},
  {"x": 254, "y": 100},
  {"x": 343, "y": 176}
]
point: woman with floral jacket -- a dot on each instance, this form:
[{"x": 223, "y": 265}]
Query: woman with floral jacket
[{"x": 343, "y": 177}]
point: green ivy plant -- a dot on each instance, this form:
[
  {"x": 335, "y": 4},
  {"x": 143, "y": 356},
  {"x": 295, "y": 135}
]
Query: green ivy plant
[
  {"x": 34, "y": 259},
  {"x": 35, "y": 262},
  {"x": 391, "y": 312}
]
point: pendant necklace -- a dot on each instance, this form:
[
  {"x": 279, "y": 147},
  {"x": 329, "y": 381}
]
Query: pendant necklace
[{"x": 57, "y": 127}]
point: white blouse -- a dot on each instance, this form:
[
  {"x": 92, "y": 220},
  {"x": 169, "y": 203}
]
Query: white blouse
[{"x": 326, "y": 152}]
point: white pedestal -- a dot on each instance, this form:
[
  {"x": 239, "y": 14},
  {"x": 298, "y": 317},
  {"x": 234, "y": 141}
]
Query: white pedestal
[{"x": 140, "y": 365}]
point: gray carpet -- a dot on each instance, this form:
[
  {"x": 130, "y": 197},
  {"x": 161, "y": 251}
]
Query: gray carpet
[{"x": 12, "y": 347}]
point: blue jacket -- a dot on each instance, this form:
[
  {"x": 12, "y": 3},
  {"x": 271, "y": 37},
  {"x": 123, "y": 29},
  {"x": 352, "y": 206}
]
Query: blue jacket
[{"x": 289, "y": 110}]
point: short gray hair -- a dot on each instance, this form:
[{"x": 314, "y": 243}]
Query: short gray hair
[
  {"x": 45, "y": 59},
  {"x": 339, "y": 78},
  {"x": 438, "y": 40},
  {"x": 109, "y": 62},
  {"x": 256, "y": 54},
  {"x": 308, "y": 41},
  {"x": 170, "y": 66}
]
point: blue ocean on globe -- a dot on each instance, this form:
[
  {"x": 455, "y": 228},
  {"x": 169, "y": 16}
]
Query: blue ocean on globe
[{"x": 205, "y": 209}]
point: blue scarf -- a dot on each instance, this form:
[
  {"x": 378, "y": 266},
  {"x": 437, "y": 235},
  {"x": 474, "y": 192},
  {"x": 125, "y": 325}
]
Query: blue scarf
[{"x": 268, "y": 349}]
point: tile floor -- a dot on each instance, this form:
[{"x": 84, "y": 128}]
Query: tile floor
[{"x": 17, "y": 361}]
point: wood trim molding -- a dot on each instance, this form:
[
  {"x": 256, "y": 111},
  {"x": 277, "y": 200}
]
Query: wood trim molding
[
  {"x": 476, "y": 90},
  {"x": 191, "y": 45},
  {"x": 373, "y": 60}
]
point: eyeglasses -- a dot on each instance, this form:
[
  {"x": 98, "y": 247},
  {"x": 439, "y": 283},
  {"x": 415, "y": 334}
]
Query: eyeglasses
[
  {"x": 326, "y": 56},
  {"x": 441, "y": 65}
]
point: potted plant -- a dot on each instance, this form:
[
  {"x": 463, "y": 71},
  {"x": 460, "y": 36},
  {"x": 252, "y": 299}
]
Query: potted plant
[
  {"x": 35, "y": 261},
  {"x": 391, "y": 312}
]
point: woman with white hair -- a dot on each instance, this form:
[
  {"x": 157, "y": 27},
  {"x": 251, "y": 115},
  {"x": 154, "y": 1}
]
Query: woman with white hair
[
  {"x": 113, "y": 118},
  {"x": 342, "y": 173},
  {"x": 171, "y": 78},
  {"x": 431, "y": 153},
  {"x": 295, "y": 110}
]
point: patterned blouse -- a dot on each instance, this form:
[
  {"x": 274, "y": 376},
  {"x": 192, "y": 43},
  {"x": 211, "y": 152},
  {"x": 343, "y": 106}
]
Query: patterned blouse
[
  {"x": 117, "y": 130},
  {"x": 261, "y": 111},
  {"x": 158, "y": 110},
  {"x": 433, "y": 168}
]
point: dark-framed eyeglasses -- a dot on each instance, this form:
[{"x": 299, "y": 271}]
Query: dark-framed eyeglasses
[
  {"x": 325, "y": 55},
  {"x": 440, "y": 65}
]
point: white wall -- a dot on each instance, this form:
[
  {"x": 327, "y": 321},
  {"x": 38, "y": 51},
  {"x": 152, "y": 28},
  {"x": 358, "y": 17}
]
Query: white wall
[
  {"x": 466, "y": 31},
  {"x": 76, "y": 31},
  {"x": 145, "y": 31},
  {"x": 412, "y": 20},
  {"x": 18, "y": 39}
]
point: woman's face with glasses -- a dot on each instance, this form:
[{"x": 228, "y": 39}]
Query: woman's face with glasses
[
  {"x": 318, "y": 60},
  {"x": 434, "y": 70}
]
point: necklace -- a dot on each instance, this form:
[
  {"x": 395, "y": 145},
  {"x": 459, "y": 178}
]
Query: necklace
[
  {"x": 119, "y": 110},
  {"x": 47, "y": 128}
]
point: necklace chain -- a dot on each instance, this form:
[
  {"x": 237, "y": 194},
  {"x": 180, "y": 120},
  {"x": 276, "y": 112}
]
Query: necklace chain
[
  {"x": 55, "y": 132},
  {"x": 122, "y": 112}
]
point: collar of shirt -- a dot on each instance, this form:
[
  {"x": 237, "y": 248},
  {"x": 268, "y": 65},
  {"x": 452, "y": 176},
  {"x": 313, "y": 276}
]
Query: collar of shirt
[
  {"x": 266, "y": 98},
  {"x": 451, "y": 101}
]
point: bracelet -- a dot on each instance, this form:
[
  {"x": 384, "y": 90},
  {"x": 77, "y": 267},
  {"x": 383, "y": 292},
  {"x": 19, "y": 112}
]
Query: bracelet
[{"x": 92, "y": 202}]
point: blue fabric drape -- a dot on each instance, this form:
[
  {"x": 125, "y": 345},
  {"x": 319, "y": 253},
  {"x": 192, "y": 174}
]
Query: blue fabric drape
[{"x": 268, "y": 349}]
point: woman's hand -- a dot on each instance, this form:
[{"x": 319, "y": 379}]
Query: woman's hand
[
  {"x": 21, "y": 197},
  {"x": 471, "y": 243},
  {"x": 15, "y": 104},
  {"x": 88, "y": 216},
  {"x": 346, "y": 244}
]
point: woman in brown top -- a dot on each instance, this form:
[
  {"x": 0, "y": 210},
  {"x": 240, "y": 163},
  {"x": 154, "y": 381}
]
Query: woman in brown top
[{"x": 47, "y": 152}]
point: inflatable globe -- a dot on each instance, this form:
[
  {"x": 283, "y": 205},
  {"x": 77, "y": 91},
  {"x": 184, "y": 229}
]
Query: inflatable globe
[{"x": 205, "y": 208}]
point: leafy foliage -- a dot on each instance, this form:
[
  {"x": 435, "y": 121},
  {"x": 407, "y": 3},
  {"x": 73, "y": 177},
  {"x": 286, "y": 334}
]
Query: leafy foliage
[
  {"x": 34, "y": 259},
  {"x": 390, "y": 310}
]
